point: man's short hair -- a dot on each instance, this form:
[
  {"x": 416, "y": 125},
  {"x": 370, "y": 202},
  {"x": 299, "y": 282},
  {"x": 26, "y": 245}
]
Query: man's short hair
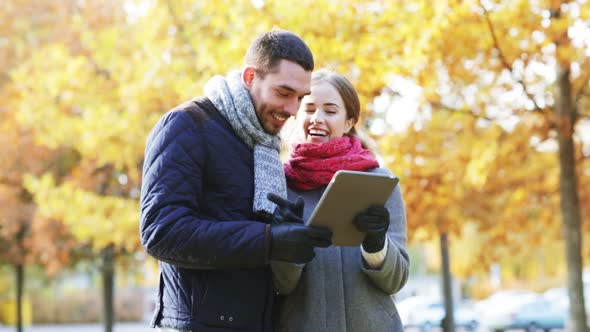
[{"x": 268, "y": 49}]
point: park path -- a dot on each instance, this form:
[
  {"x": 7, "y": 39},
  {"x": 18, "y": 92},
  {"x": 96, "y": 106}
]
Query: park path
[{"x": 119, "y": 327}]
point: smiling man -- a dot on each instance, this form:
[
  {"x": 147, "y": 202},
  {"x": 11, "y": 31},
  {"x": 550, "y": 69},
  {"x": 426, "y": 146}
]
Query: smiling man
[
  {"x": 276, "y": 94},
  {"x": 209, "y": 165}
]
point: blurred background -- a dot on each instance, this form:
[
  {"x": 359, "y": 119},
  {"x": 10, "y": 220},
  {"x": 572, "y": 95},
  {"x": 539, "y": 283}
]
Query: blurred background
[{"x": 481, "y": 107}]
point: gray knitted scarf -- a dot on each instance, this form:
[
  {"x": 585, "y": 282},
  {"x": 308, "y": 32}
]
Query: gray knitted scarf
[{"x": 230, "y": 97}]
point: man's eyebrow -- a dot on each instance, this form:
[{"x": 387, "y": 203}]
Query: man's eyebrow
[
  {"x": 286, "y": 87},
  {"x": 291, "y": 89}
]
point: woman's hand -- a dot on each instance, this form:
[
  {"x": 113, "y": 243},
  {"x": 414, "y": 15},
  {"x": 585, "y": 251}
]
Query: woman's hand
[{"x": 374, "y": 222}]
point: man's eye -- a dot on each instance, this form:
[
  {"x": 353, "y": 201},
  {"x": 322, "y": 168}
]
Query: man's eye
[{"x": 283, "y": 94}]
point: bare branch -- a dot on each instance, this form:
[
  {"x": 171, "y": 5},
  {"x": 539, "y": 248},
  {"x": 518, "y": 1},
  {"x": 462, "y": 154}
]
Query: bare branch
[
  {"x": 443, "y": 107},
  {"x": 99, "y": 70},
  {"x": 505, "y": 62},
  {"x": 4, "y": 77},
  {"x": 583, "y": 93},
  {"x": 4, "y": 180},
  {"x": 584, "y": 89}
]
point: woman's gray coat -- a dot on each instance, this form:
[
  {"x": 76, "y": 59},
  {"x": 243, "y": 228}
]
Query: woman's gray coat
[{"x": 337, "y": 291}]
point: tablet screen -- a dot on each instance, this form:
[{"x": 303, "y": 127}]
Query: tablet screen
[{"x": 348, "y": 194}]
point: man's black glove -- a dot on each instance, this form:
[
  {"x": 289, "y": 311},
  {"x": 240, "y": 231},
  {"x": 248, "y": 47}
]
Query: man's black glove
[
  {"x": 286, "y": 210},
  {"x": 374, "y": 222},
  {"x": 290, "y": 240},
  {"x": 295, "y": 243}
]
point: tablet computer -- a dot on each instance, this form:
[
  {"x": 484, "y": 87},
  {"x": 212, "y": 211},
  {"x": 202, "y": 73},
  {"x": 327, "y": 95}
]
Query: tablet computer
[{"x": 347, "y": 194}]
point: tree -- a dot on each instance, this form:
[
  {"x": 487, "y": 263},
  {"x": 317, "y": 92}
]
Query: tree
[
  {"x": 80, "y": 76},
  {"x": 25, "y": 239},
  {"x": 457, "y": 171},
  {"x": 104, "y": 71},
  {"x": 508, "y": 58},
  {"x": 46, "y": 28}
]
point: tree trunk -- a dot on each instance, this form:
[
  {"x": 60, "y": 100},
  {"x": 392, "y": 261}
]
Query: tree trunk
[
  {"x": 448, "y": 322},
  {"x": 19, "y": 269},
  {"x": 108, "y": 273},
  {"x": 19, "y": 274},
  {"x": 570, "y": 206}
]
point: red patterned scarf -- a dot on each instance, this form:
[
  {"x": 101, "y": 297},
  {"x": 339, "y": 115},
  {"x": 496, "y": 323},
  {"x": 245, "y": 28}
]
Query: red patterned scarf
[{"x": 313, "y": 165}]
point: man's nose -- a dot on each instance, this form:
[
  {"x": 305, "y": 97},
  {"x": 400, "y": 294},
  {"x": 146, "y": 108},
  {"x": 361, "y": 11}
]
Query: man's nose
[{"x": 292, "y": 107}]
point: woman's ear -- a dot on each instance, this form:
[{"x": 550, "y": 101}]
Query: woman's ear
[
  {"x": 248, "y": 75},
  {"x": 349, "y": 124}
]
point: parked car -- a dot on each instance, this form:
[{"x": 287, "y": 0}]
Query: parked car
[
  {"x": 496, "y": 311},
  {"x": 556, "y": 294},
  {"x": 426, "y": 313},
  {"x": 505, "y": 297},
  {"x": 560, "y": 296},
  {"x": 542, "y": 314},
  {"x": 532, "y": 316}
]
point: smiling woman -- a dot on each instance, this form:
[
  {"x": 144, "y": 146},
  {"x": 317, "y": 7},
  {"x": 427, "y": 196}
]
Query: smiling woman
[
  {"x": 323, "y": 115},
  {"x": 330, "y": 111},
  {"x": 370, "y": 273}
]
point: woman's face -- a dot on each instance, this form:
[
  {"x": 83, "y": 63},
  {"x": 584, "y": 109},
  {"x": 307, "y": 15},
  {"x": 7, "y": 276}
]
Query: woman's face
[{"x": 322, "y": 115}]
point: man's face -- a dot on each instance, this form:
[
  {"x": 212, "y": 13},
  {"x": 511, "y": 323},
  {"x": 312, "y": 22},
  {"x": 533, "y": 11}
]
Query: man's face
[{"x": 277, "y": 95}]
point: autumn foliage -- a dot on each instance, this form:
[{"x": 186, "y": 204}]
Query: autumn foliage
[{"x": 82, "y": 83}]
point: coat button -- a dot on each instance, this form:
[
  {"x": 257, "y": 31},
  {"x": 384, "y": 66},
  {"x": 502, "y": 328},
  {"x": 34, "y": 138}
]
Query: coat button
[
  {"x": 231, "y": 319},
  {"x": 221, "y": 318}
]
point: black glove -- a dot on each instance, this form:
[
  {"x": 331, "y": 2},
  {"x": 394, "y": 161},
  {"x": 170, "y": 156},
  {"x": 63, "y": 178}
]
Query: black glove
[
  {"x": 290, "y": 240},
  {"x": 286, "y": 210},
  {"x": 295, "y": 243},
  {"x": 374, "y": 222}
]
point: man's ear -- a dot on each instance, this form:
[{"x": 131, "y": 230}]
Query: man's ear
[{"x": 248, "y": 75}]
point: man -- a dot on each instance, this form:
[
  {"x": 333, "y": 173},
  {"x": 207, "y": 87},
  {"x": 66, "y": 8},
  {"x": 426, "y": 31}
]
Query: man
[{"x": 209, "y": 165}]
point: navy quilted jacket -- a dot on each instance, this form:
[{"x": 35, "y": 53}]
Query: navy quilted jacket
[{"x": 196, "y": 219}]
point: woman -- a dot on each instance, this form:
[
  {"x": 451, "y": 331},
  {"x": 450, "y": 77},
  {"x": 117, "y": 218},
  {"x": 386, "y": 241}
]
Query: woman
[{"x": 343, "y": 288}]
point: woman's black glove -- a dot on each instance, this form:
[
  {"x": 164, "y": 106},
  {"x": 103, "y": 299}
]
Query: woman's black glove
[{"x": 374, "y": 222}]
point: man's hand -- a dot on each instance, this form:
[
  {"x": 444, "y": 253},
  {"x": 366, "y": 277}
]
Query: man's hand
[
  {"x": 374, "y": 222},
  {"x": 286, "y": 210},
  {"x": 295, "y": 243},
  {"x": 291, "y": 241}
]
